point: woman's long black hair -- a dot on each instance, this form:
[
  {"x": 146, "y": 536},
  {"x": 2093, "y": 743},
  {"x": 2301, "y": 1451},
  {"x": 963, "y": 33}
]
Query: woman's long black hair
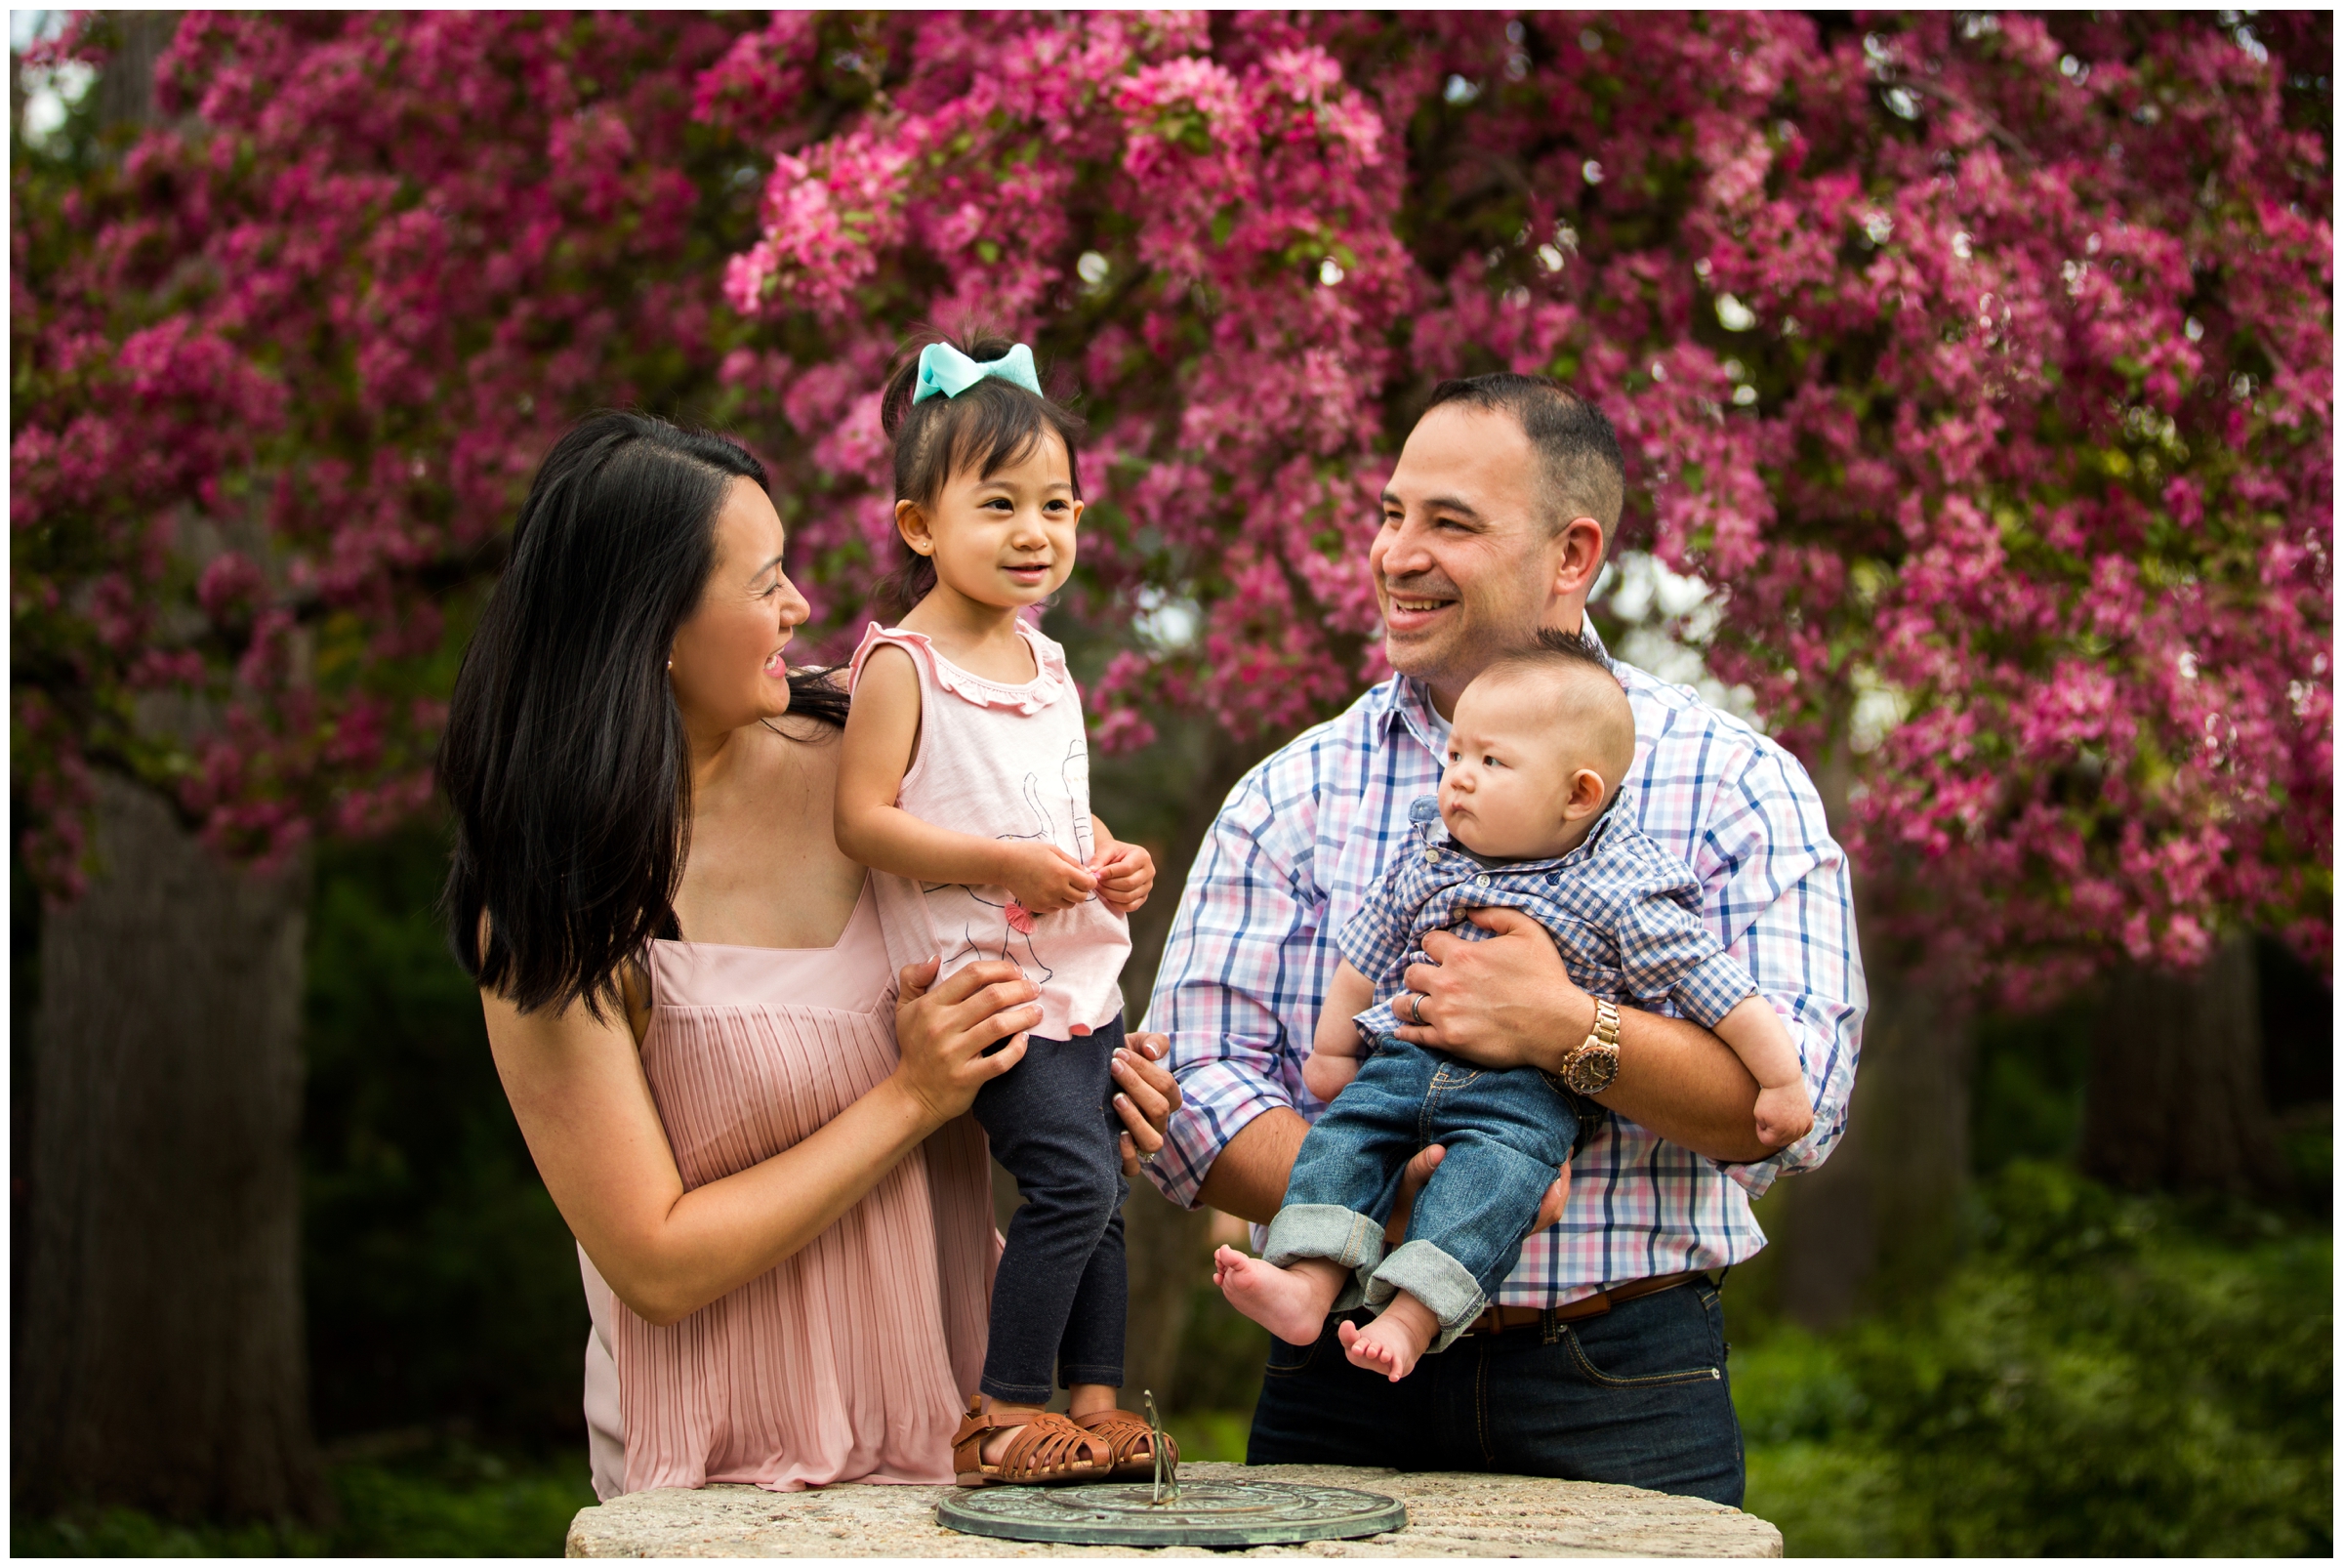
[{"x": 565, "y": 757}]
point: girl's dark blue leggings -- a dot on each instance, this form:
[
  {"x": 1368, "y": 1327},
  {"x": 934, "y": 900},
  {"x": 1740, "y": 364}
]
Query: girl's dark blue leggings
[{"x": 1059, "y": 1296}]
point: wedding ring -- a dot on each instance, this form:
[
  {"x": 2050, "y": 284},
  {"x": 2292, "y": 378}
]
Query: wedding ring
[{"x": 1416, "y": 1009}]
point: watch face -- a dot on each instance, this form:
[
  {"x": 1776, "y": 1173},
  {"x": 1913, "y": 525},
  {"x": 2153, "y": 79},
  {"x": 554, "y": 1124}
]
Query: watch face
[{"x": 1591, "y": 1070}]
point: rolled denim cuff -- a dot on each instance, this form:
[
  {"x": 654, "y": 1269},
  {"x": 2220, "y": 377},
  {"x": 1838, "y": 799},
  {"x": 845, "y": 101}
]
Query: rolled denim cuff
[
  {"x": 1329, "y": 1231},
  {"x": 1444, "y": 1286}
]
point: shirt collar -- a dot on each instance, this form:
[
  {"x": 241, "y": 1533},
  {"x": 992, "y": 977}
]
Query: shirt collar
[{"x": 1408, "y": 701}]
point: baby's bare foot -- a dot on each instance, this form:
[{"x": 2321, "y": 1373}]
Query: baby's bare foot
[
  {"x": 1290, "y": 1302},
  {"x": 1394, "y": 1341}
]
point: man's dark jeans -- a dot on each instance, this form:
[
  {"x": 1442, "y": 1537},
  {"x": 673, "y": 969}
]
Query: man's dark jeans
[
  {"x": 1637, "y": 1395},
  {"x": 1059, "y": 1296}
]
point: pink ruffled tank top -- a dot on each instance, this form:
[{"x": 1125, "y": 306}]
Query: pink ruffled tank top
[
  {"x": 1004, "y": 763},
  {"x": 849, "y": 1361}
]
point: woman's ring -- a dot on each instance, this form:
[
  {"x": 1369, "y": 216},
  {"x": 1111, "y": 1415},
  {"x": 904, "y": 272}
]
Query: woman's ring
[{"x": 1416, "y": 1009}]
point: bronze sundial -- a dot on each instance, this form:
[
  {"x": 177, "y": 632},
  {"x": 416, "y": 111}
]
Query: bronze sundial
[
  {"x": 1204, "y": 1513},
  {"x": 1168, "y": 1512}
]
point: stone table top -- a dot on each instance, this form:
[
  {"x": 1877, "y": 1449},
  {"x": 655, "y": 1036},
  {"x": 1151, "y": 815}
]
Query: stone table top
[{"x": 1450, "y": 1514}]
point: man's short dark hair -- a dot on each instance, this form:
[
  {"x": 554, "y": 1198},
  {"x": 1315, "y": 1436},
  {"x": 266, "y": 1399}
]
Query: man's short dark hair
[{"x": 1585, "y": 475}]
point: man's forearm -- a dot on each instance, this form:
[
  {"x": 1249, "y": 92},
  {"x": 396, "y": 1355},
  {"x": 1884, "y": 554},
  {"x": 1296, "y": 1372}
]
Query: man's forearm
[
  {"x": 1248, "y": 1179},
  {"x": 1681, "y": 1081}
]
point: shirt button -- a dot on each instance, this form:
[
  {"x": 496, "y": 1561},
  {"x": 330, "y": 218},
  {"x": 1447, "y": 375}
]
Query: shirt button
[
  {"x": 1431, "y": 857},
  {"x": 1480, "y": 882}
]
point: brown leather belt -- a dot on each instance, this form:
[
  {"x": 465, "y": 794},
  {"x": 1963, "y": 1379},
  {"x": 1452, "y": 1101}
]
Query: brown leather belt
[{"x": 1501, "y": 1319}]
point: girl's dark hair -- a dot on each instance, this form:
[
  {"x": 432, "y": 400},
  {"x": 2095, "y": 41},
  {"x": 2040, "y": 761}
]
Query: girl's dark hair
[
  {"x": 565, "y": 758},
  {"x": 987, "y": 427}
]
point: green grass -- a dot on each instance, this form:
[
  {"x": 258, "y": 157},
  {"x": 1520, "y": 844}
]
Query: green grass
[{"x": 447, "y": 1499}]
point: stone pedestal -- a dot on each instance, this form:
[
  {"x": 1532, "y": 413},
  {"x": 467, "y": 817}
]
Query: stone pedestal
[{"x": 1449, "y": 1515}]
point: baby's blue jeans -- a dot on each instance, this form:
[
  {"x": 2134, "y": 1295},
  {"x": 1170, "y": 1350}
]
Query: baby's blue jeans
[{"x": 1508, "y": 1134}]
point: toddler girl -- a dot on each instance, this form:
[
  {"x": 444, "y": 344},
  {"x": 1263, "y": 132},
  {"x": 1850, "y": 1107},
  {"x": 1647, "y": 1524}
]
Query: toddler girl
[{"x": 965, "y": 787}]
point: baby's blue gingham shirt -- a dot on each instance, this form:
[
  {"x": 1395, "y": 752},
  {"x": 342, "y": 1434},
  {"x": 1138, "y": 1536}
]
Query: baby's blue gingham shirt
[
  {"x": 1623, "y": 913},
  {"x": 1303, "y": 841}
]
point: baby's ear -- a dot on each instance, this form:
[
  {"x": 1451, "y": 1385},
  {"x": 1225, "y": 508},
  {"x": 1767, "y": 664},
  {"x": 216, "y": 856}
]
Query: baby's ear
[{"x": 1586, "y": 798}]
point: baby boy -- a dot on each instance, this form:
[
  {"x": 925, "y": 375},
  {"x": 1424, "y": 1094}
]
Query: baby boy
[{"x": 1524, "y": 820}]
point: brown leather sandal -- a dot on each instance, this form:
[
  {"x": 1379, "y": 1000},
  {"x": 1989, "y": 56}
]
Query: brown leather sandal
[
  {"x": 1131, "y": 1441},
  {"x": 1049, "y": 1450}
]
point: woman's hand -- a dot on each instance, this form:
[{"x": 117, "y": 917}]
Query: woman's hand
[
  {"x": 1148, "y": 1095},
  {"x": 944, "y": 1030},
  {"x": 1125, "y": 872}
]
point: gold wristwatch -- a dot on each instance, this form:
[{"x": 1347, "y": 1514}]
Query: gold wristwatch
[{"x": 1589, "y": 1069}]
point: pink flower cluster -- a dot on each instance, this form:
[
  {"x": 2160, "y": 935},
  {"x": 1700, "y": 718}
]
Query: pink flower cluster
[
  {"x": 1982, "y": 363},
  {"x": 282, "y": 371},
  {"x": 1979, "y": 363}
]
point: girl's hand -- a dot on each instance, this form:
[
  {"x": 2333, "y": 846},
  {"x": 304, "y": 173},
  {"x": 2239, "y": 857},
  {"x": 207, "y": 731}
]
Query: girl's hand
[
  {"x": 1125, "y": 872},
  {"x": 943, "y": 1033},
  {"x": 1045, "y": 879},
  {"x": 1148, "y": 1096}
]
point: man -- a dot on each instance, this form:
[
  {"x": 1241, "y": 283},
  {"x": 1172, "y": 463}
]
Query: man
[{"x": 1602, "y": 1357}]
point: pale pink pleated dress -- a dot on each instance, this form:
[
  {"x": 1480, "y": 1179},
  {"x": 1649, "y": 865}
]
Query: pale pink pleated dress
[{"x": 849, "y": 1361}]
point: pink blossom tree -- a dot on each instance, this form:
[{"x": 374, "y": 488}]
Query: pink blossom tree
[
  {"x": 282, "y": 360},
  {"x": 1978, "y": 364},
  {"x": 1982, "y": 365}
]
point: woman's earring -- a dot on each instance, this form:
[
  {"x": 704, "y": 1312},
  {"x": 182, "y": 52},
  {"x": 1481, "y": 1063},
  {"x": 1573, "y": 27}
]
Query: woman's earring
[{"x": 671, "y": 666}]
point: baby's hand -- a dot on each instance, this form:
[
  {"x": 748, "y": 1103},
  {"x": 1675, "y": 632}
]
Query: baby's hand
[
  {"x": 1126, "y": 874},
  {"x": 1784, "y": 1115},
  {"x": 1045, "y": 879},
  {"x": 1326, "y": 1076}
]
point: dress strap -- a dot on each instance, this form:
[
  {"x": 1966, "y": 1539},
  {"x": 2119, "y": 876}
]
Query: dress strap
[{"x": 1047, "y": 686}]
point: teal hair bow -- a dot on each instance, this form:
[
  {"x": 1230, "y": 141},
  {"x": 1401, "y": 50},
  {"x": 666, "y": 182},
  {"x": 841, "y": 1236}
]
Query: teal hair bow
[{"x": 946, "y": 372}]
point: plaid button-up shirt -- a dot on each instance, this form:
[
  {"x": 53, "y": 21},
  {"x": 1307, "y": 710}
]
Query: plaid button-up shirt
[
  {"x": 1305, "y": 838},
  {"x": 1623, "y": 912}
]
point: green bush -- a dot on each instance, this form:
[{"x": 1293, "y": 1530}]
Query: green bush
[
  {"x": 442, "y": 1284},
  {"x": 2104, "y": 1375},
  {"x": 425, "y": 1498}
]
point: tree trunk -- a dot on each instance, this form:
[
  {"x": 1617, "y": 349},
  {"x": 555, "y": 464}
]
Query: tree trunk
[
  {"x": 125, "y": 88},
  {"x": 1880, "y": 1219},
  {"x": 162, "y": 1363},
  {"x": 2175, "y": 1100}
]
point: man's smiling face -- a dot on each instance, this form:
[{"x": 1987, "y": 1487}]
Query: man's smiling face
[{"x": 1465, "y": 564}]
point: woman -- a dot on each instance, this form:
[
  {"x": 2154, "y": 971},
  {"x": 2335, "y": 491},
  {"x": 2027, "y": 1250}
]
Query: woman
[{"x": 756, "y": 1131}]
